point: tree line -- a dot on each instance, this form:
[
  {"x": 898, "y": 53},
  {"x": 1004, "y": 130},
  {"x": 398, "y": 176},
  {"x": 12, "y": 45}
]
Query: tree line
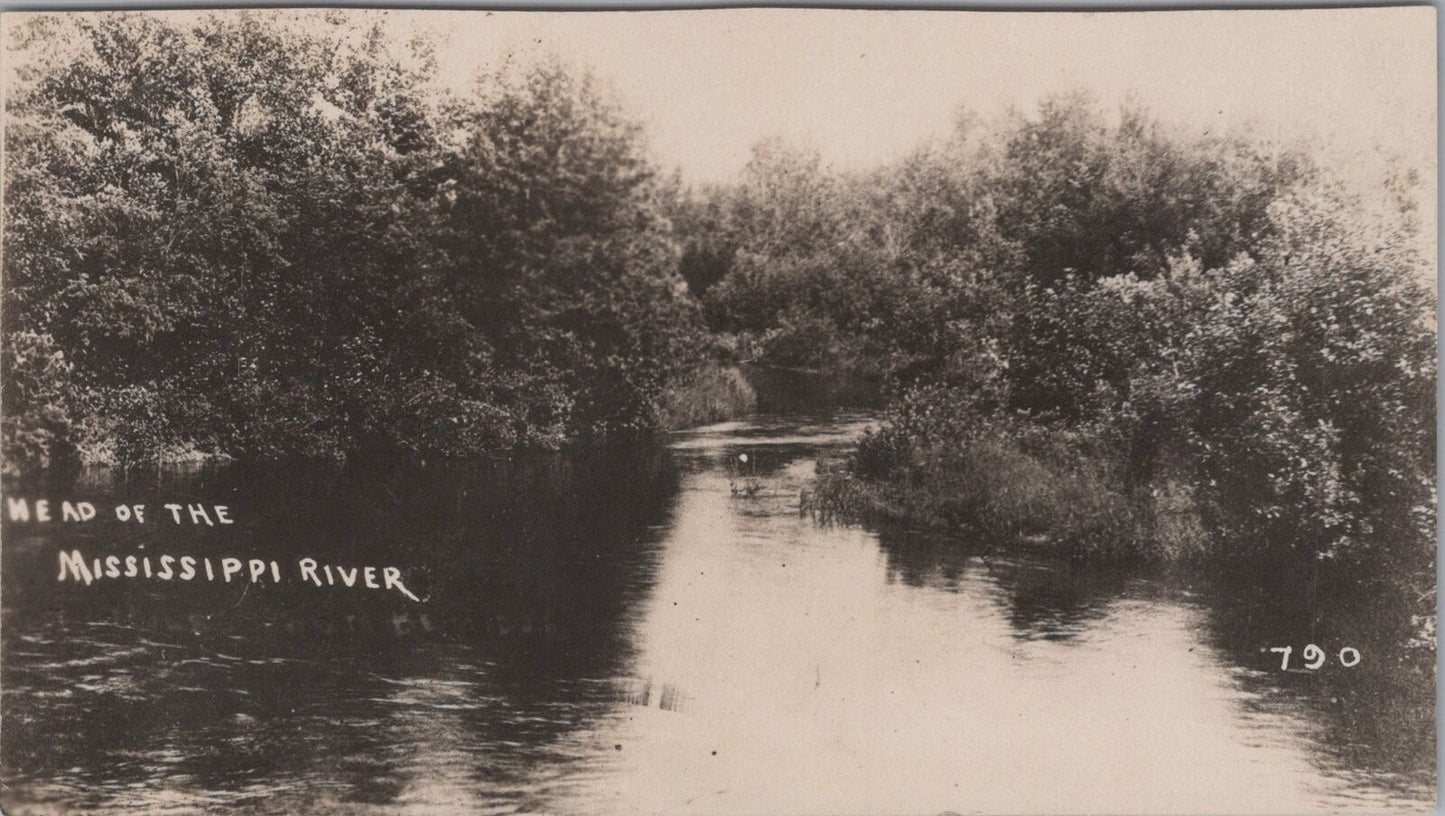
[
  {"x": 237, "y": 236},
  {"x": 1121, "y": 337}
]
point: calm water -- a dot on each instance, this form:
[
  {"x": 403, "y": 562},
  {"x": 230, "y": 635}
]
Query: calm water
[{"x": 613, "y": 631}]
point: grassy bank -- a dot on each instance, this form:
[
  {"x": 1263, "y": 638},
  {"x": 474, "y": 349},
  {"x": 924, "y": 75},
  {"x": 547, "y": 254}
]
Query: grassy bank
[
  {"x": 1128, "y": 487},
  {"x": 711, "y": 394},
  {"x": 1055, "y": 490}
]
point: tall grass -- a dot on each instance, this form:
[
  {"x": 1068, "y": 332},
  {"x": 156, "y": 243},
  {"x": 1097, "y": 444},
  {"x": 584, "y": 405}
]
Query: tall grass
[
  {"x": 711, "y": 394},
  {"x": 1049, "y": 490}
]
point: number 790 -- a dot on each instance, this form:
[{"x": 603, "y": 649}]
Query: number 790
[{"x": 1314, "y": 656}]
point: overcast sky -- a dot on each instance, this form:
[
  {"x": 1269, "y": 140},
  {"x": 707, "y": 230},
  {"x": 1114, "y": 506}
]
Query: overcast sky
[{"x": 866, "y": 86}]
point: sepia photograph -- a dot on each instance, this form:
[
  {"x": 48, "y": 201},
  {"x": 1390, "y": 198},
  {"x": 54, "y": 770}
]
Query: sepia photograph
[{"x": 718, "y": 411}]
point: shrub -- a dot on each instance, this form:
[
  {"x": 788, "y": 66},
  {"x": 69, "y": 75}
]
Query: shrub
[{"x": 1004, "y": 479}]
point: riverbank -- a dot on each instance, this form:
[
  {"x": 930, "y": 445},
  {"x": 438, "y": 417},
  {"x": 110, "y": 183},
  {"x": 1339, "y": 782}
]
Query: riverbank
[
  {"x": 712, "y": 393},
  {"x": 1056, "y": 491},
  {"x": 1015, "y": 487}
]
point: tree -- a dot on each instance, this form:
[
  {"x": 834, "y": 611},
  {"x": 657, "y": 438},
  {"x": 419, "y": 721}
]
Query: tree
[{"x": 255, "y": 238}]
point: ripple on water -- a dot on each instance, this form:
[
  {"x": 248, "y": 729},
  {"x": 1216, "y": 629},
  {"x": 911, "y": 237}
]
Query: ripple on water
[{"x": 671, "y": 648}]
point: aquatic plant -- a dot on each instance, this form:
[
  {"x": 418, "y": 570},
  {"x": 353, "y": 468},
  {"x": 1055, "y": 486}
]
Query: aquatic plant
[{"x": 743, "y": 478}]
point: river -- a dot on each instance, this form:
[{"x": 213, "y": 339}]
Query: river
[{"x": 618, "y": 630}]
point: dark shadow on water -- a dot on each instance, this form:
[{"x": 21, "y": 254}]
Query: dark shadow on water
[
  {"x": 530, "y": 568},
  {"x": 1373, "y": 722},
  {"x": 1376, "y": 718},
  {"x": 1044, "y": 597}
]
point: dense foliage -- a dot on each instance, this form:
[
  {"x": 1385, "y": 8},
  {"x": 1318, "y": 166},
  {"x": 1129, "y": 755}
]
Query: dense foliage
[
  {"x": 233, "y": 236},
  {"x": 230, "y": 237},
  {"x": 1105, "y": 333}
]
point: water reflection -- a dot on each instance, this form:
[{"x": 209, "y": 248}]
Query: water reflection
[
  {"x": 1374, "y": 722},
  {"x": 614, "y": 631},
  {"x": 134, "y": 694}
]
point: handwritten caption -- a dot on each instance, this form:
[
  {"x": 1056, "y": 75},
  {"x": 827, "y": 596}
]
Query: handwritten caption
[{"x": 77, "y": 566}]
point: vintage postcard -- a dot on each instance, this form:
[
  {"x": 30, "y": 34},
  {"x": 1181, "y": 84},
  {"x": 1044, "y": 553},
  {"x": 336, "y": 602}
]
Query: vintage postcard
[{"x": 718, "y": 412}]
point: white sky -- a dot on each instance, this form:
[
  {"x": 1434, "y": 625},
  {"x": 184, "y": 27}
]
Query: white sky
[{"x": 866, "y": 86}]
